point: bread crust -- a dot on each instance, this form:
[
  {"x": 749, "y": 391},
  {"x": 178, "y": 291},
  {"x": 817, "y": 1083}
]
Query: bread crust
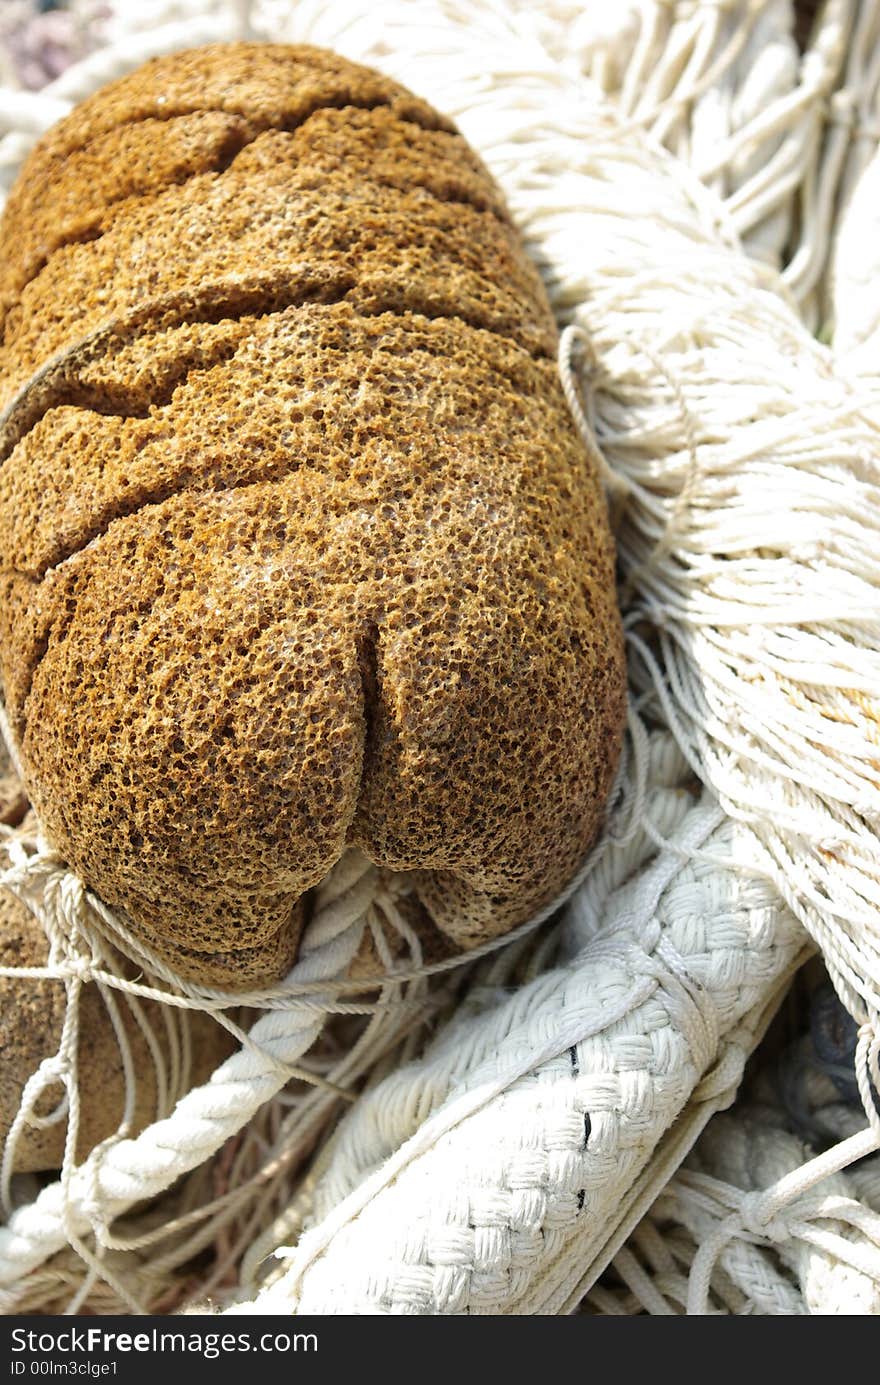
[{"x": 300, "y": 548}]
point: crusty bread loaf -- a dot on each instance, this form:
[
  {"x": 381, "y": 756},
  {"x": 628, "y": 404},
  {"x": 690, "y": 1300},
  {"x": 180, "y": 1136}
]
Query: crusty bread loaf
[
  {"x": 300, "y": 546},
  {"x": 31, "y": 1018},
  {"x": 13, "y": 800}
]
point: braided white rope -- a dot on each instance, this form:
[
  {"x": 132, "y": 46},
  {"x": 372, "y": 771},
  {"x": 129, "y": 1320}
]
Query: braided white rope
[
  {"x": 805, "y": 1209},
  {"x": 750, "y": 1193},
  {"x": 547, "y": 1104}
]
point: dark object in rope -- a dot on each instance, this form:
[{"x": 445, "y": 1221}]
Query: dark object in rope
[{"x": 833, "y": 1037}]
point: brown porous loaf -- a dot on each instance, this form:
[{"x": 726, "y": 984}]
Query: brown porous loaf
[
  {"x": 301, "y": 549},
  {"x": 31, "y": 1019},
  {"x": 13, "y": 800}
]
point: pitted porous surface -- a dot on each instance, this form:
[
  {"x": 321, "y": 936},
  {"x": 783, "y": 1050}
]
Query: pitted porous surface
[
  {"x": 31, "y": 1019},
  {"x": 327, "y": 234},
  {"x": 79, "y": 200},
  {"x": 172, "y": 117},
  {"x": 13, "y": 800},
  {"x": 301, "y": 548}
]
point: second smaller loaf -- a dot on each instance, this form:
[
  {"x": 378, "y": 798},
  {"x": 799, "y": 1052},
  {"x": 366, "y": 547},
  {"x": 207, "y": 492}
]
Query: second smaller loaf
[
  {"x": 13, "y": 802},
  {"x": 31, "y": 1019},
  {"x": 301, "y": 549}
]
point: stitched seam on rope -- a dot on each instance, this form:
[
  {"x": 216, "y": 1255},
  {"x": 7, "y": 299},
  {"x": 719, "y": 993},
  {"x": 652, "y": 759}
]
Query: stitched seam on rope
[{"x": 455, "y": 1110}]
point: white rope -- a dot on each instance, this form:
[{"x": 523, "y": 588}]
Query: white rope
[
  {"x": 120, "y": 1173},
  {"x": 794, "y": 1232},
  {"x": 781, "y": 137},
  {"x": 855, "y": 302},
  {"x": 480, "y": 1079},
  {"x": 743, "y": 471},
  {"x": 791, "y": 1211},
  {"x": 785, "y": 1211},
  {"x": 701, "y": 396},
  {"x": 820, "y": 1255}
]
